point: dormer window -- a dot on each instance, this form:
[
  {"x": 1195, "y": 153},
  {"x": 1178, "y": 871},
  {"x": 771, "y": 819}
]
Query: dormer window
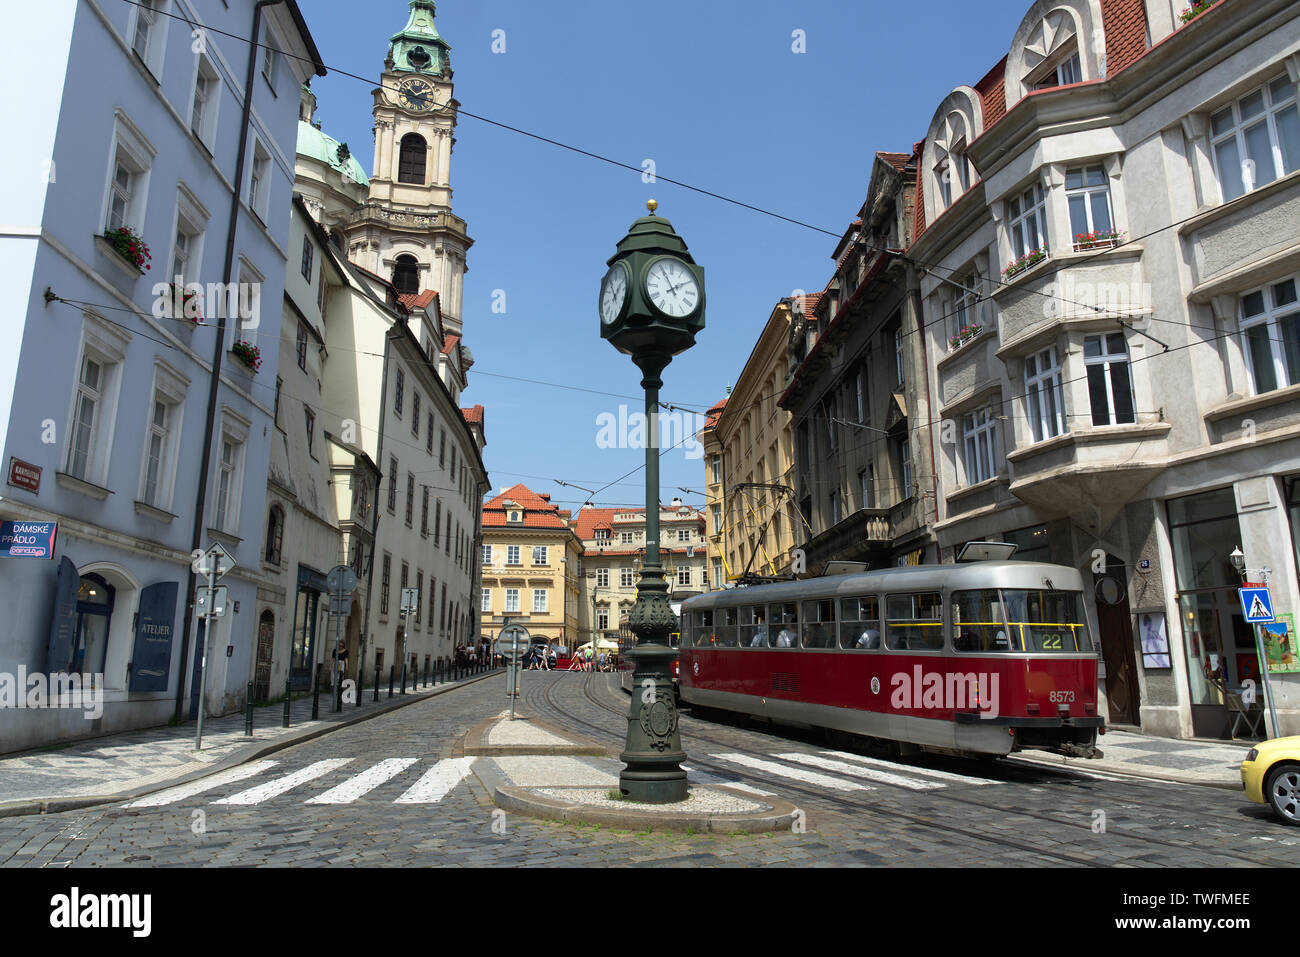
[
  {"x": 516, "y": 516},
  {"x": 1063, "y": 72}
]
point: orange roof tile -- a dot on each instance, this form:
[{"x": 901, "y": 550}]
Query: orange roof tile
[
  {"x": 417, "y": 300},
  {"x": 538, "y": 511}
]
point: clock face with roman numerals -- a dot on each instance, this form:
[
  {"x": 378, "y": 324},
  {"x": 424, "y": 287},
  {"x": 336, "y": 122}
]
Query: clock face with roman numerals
[
  {"x": 416, "y": 96},
  {"x": 672, "y": 288}
]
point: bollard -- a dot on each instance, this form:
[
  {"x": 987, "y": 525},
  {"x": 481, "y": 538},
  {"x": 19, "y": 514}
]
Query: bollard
[
  {"x": 315, "y": 695},
  {"x": 338, "y": 695},
  {"x": 403, "y": 677},
  {"x": 287, "y": 702},
  {"x": 376, "y": 681},
  {"x": 248, "y": 712},
  {"x": 392, "y": 675},
  {"x": 426, "y": 672}
]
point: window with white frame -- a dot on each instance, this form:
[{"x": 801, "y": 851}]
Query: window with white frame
[
  {"x": 512, "y": 600},
  {"x": 259, "y": 180},
  {"x": 127, "y": 187},
  {"x": 159, "y": 470},
  {"x": 1256, "y": 139},
  {"x": 867, "y": 487},
  {"x": 1087, "y": 193},
  {"x": 717, "y": 573},
  {"x": 512, "y": 555},
  {"x": 684, "y": 575},
  {"x": 486, "y": 600},
  {"x": 539, "y": 600},
  {"x": 625, "y": 577},
  {"x": 835, "y": 507},
  {"x": 602, "y": 619},
  {"x": 1270, "y": 326},
  {"x": 683, "y": 534},
  {"x": 717, "y": 518},
  {"x": 1044, "y": 401},
  {"x": 981, "y": 440},
  {"x": 225, "y": 512},
  {"x": 899, "y": 366},
  {"x": 94, "y": 404},
  {"x": 540, "y": 554},
  {"x": 487, "y": 554},
  {"x": 1064, "y": 71},
  {"x": 1110, "y": 386},
  {"x": 207, "y": 98},
  {"x": 905, "y": 462},
  {"x": 148, "y": 33},
  {"x": 270, "y": 56},
  {"x": 715, "y": 469},
  {"x": 966, "y": 315},
  {"x": 185, "y": 251},
  {"x": 1027, "y": 222},
  {"x": 625, "y": 538},
  {"x": 602, "y": 577}
]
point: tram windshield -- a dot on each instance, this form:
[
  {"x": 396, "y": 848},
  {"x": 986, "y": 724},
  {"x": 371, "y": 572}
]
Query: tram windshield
[{"x": 1019, "y": 621}]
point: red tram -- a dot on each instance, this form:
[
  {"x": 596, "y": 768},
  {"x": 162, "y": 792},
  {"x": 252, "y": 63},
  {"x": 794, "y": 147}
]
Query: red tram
[{"x": 984, "y": 657}]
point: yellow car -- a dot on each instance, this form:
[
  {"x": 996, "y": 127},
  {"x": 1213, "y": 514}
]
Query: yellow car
[{"x": 1271, "y": 775}]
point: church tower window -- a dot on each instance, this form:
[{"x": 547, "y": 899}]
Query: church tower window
[
  {"x": 406, "y": 274},
  {"x": 410, "y": 167}
]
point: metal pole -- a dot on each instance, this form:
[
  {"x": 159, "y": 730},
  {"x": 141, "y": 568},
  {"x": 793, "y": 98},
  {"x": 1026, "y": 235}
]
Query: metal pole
[
  {"x": 203, "y": 660},
  {"x": 337, "y": 602},
  {"x": 1269, "y": 701},
  {"x": 376, "y": 681},
  {"x": 248, "y": 712},
  {"x": 406, "y": 621},
  {"x": 287, "y": 699}
]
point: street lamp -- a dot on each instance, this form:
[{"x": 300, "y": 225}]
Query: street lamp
[
  {"x": 651, "y": 307},
  {"x": 1238, "y": 560}
]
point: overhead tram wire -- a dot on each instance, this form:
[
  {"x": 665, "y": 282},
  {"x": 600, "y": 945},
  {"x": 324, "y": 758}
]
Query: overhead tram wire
[{"x": 637, "y": 169}]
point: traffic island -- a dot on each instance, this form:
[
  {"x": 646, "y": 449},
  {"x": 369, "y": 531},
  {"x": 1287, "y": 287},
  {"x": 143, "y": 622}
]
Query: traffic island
[
  {"x": 714, "y": 809},
  {"x": 537, "y": 769}
]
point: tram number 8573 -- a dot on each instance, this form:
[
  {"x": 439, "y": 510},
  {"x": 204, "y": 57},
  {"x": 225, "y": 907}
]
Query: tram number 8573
[{"x": 1061, "y": 697}]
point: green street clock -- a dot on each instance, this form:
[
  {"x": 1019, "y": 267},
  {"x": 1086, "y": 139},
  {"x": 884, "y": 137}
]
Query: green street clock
[{"x": 652, "y": 297}]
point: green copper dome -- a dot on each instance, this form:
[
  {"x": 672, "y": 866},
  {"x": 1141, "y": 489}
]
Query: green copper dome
[
  {"x": 418, "y": 48},
  {"x": 319, "y": 146}
]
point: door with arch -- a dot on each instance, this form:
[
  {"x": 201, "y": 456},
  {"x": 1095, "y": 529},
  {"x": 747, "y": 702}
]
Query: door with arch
[
  {"x": 1115, "y": 625},
  {"x": 265, "y": 650}
]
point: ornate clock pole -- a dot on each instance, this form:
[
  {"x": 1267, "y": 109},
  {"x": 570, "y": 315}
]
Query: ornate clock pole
[{"x": 651, "y": 307}]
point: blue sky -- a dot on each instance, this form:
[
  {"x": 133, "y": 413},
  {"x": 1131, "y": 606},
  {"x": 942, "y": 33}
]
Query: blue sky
[{"x": 715, "y": 95}]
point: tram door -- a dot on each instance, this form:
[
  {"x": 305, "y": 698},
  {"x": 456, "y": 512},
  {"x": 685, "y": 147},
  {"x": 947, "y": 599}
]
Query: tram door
[{"x": 1116, "y": 627}]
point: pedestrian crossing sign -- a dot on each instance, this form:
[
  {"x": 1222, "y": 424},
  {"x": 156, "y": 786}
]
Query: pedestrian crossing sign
[{"x": 1257, "y": 605}]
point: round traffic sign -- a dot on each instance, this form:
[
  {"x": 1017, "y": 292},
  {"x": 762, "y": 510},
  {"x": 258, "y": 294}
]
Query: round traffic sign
[
  {"x": 341, "y": 580},
  {"x": 513, "y": 641}
]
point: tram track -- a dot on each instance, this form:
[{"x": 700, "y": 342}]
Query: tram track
[{"x": 848, "y": 805}]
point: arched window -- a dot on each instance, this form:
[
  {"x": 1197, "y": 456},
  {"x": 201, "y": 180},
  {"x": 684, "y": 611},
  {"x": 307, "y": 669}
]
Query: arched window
[
  {"x": 958, "y": 121},
  {"x": 406, "y": 274},
  {"x": 1059, "y": 42},
  {"x": 410, "y": 165},
  {"x": 90, "y": 637},
  {"x": 274, "y": 534}
]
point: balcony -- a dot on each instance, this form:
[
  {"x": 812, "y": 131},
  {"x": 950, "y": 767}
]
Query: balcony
[
  {"x": 1090, "y": 475},
  {"x": 865, "y": 535}
]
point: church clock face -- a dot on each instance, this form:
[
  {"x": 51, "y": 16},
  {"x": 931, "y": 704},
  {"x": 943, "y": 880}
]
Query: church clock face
[{"x": 416, "y": 96}]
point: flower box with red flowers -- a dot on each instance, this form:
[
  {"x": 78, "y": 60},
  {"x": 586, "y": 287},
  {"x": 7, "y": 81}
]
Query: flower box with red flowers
[
  {"x": 1098, "y": 239},
  {"x": 1195, "y": 10},
  {"x": 248, "y": 354},
  {"x": 964, "y": 335},
  {"x": 1031, "y": 258},
  {"x": 185, "y": 303},
  {"x": 129, "y": 246}
]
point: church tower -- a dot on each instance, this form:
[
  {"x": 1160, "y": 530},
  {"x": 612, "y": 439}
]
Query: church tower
[{"x": 406, "y": 231}]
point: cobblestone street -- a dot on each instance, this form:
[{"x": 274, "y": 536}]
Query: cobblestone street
[{"x": 388, "y": 792}]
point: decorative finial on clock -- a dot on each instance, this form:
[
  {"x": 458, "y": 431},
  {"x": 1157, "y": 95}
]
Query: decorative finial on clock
[{"x": 652, "y": 205}]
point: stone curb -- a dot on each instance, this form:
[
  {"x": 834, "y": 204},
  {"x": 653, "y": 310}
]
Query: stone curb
[
  {"x": 54, "y": 805},
  {"x": 1145, "y": 774},
  {"x": 779, "y": 815},
  {"x": 475, "y": 741}
]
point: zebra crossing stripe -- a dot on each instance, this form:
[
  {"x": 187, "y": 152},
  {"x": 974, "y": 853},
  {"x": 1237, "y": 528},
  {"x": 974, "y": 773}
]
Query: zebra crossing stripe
[
  {"x": 183, "y": 791},
  {"x": 798, "y": 774},
  {"x": 857, "y": 771},
  {"x": 366, "y": 781},
  {"x": 279, "y": 786},
  {"x": 924, "y": 772},
  {"x": 437, "y": 782},
  {"x": 704, "y": 777}
]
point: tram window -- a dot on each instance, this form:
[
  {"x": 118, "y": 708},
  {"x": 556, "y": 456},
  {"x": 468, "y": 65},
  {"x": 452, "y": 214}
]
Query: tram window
[
  {"x": 914, "y": 622},
  {"x": 1047, "y": 621},
  {"x": 819, "y": 624},
  {"x": 753, "y": 626},
  {"x": 979, "y": 623},
  {"x": 725, "y": 629},
  {"x": 860, "y": 623},
  {"x": 701, "y": 636},
  {"x": 784, "y": 632}
]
